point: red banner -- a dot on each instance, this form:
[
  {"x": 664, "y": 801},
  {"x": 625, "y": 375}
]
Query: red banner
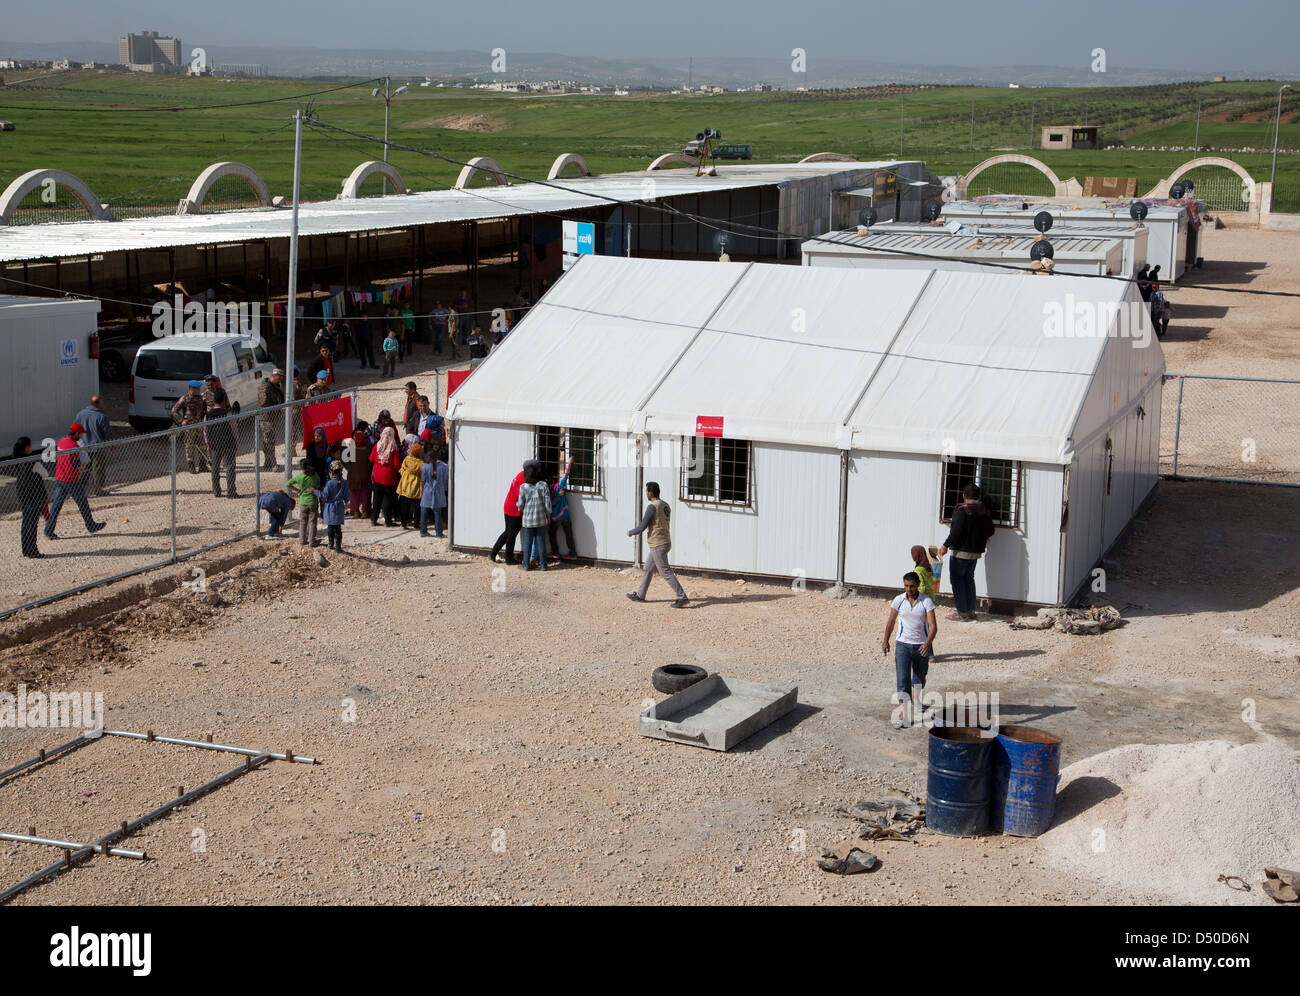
[
  {"x": 708, "y": 425},
  {"x": 335, "y": 417},
  {"x": 454, "y": 379}
]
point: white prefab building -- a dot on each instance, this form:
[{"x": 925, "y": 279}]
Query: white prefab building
[
  {"x": 48, "y": 374},
  {"x": 817, "y": 422},
  {"x": 1173, "y": 242},
  {"x": 901, "y": 248}
]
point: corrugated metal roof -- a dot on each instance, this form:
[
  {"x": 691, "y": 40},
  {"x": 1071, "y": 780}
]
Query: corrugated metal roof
[
  {"x": 50, "y": 241},
  {"x": 943, "y": 243}
]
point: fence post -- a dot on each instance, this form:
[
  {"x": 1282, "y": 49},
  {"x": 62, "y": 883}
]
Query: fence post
[
  {"x": 257, "y": 474},
  {"x": 1178, "y": 424},
  {"x": 171, "y": 444}
]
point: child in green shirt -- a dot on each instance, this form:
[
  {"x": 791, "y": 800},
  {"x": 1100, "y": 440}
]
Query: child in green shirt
[
  {"x": 925, "y": 571},
  {"x": 303, "y": 486}
]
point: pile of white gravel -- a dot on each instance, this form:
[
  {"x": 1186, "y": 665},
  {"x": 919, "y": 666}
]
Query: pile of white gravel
[{"x": 1169, "y": 820}]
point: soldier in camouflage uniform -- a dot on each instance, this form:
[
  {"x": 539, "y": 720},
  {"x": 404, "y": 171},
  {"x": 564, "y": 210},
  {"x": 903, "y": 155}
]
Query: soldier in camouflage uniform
[
  {"x": 189, "y": 411},
  {"x": 269, "y": 393},
  {"x": 321, "y": 386},
  {"x": 209, "y": 385}
]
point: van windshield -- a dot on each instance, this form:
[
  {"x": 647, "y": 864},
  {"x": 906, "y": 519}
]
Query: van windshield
[{"x": 173, "y": 364}]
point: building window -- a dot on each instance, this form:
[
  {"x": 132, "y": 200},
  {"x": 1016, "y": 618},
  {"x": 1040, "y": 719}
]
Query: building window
[
  {"x": 556, "y": 446},
  {"x": 999, "y": 482},
  {"x": 717, "y": 471}
]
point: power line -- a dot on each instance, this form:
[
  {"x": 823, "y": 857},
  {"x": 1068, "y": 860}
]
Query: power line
[{"x": 99, "y": 108}]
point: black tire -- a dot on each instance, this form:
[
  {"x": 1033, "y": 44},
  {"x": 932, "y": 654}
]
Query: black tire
[{"x": 674, "y": 677}]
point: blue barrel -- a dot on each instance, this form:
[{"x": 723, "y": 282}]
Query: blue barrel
[
  {"x": 957, "y": 782},
  {"x": 1026, "y": 766}
]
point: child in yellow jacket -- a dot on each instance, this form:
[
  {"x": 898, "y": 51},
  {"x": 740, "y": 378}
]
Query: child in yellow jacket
[{"x": 410, "y": 485}]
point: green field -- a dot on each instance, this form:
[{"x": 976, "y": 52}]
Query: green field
[{"x": 108, "y": 129}]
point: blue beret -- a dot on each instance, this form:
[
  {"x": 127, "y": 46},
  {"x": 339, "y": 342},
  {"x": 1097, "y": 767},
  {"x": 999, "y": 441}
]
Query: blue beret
[{"x": 196, "y": 383}]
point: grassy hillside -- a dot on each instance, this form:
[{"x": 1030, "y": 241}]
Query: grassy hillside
[{"x": 113, "y": 131}]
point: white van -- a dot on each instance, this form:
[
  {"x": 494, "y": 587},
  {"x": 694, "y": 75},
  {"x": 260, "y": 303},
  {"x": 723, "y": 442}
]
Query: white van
[{"x": 163, "y": 369}]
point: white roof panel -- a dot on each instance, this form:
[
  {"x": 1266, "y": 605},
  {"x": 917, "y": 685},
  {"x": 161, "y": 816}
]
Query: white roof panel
[
  {"x": 904, "y": 360},
  {"x": 48, "y": 241}
]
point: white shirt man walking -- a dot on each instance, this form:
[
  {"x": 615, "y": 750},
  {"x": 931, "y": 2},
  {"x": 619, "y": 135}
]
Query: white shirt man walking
[
  {"x": 660, "y": 542},
  {"x": 917, "y": 629}
]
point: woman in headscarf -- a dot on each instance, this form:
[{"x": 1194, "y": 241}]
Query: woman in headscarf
[
  {"x": 318, "y": 453},
  {"x": 31, "y": 496},
  {"x": 385, "y": 461}
]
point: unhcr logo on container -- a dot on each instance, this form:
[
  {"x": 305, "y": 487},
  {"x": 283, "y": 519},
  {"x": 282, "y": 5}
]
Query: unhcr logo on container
[
  {"x": 178, "y": 318},
  {"x": 1074, "y": 319},
  {"x": 38, "y": 711}
]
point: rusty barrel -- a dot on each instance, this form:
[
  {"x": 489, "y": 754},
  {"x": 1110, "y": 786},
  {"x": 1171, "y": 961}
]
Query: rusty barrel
[
  {"x": 1026, "y": 767},
  {"x": 957, "y": 781}
]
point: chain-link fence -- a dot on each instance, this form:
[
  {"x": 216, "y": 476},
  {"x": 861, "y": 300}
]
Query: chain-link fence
[
  {"x": 76, "y": 518},
  {"x": 1231, "y": 429}
]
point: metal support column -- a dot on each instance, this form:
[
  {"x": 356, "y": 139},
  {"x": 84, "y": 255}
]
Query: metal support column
[
  {"x": 841, "y": 550},
  {"x": 171, "y": 445},
  {"x": 1178, "y": 422}
]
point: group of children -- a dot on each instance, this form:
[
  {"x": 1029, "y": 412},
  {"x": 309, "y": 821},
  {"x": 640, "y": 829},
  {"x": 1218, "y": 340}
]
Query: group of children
[{"x": 384, "y": 474}]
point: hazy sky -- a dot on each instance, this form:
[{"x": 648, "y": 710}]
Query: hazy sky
[{"x": 1197, "y": 35}]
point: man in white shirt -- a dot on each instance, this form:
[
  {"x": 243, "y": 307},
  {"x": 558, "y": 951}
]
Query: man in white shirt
[{"x": 913, "y": 649}]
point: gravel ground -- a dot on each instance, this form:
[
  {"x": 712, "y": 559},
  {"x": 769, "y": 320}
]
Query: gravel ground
[{"x": 508, "y": 717}]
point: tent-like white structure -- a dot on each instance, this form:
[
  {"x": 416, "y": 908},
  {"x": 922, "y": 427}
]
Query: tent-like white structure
[{"x": 817, "y": 422}]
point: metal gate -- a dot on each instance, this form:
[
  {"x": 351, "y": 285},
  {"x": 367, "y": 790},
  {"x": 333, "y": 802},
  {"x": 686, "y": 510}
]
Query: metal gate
[{"x": 1241, "y": 429}]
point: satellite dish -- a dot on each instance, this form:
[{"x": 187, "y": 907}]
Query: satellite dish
[
  {"x": 1177, "y": 191},
  {"x": 1137, "y": 211},
  {"x": 720, "y": 242},
  {"x": 932, "y": 210},
  {"x": 1043, "y": 221},
  {"x": 867, "y": 216},
  {"x": 1041, "y": 250},
  {"x": 1189, "y": 186}
]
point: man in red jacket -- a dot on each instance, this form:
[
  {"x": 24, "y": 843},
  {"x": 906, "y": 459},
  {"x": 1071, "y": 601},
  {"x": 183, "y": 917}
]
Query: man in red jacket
[
  {"x": 67, "y": 477},
  {"x": 514, "y": 522}
]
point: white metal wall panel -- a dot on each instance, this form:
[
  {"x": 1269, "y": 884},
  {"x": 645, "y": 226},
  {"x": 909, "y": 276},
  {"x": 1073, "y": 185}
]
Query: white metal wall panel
[
  {"x": 1125, "y": 371},
  {"x": 1148, "y": 470},
  {"x": 487, "y": 459},
  {"x": 40, "y": 391},
  {"x": 601, "y": 522},
  {"x": 1084, "y": 531},
  {"x": 792, "y": 526},
  {"x": 894, "y": 503}
]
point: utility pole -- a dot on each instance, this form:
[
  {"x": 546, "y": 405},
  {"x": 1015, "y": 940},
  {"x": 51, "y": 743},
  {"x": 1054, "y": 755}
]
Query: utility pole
[
  {"x": 292, "y": 303},
  {"x": 1197, "y": 142},
  {"x": 902, "y": 100},
  {"x": 1277, "y": 131},
  {"x": 972, "y": 126},
  {"x": 1031, "y": 124}
]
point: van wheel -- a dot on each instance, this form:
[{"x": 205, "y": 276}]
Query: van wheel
[
  {"x": 674, "y": 677},
  {"x": 234, "y": 408}
]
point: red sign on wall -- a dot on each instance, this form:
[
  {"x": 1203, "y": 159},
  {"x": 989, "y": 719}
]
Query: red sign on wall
[{"x": 708, "y": 425}]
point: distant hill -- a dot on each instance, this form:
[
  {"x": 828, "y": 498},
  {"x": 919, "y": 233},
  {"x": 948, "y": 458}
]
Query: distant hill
[{"x": 729, "y": 72}]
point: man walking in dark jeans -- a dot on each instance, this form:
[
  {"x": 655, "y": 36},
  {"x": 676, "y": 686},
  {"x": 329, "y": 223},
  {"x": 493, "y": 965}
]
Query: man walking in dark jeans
[
  {"x": 969, "y": 534},
  {"x": 67, "y": 481},
  {"x": 660, "y": 542},
  {"x": 914, "y": 614}
]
